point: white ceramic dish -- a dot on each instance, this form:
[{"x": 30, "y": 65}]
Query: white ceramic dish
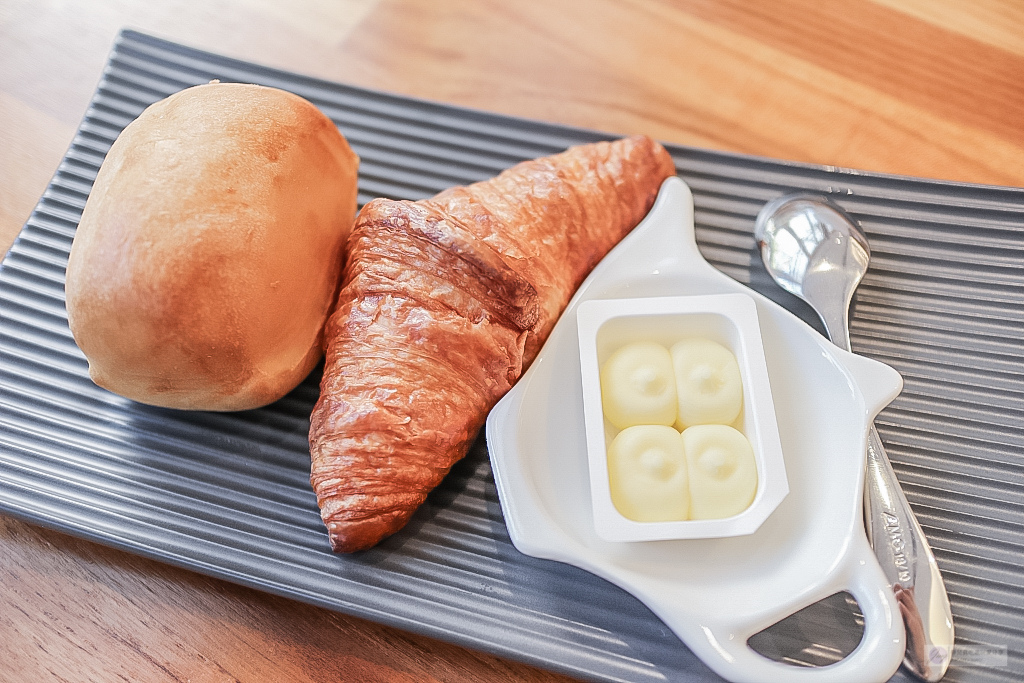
[
  {"x": 728, "y": 319},
  {"x": 713, "y": 593}
]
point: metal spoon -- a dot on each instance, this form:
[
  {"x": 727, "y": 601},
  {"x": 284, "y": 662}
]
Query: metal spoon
[{"x": 814, "y": 250}]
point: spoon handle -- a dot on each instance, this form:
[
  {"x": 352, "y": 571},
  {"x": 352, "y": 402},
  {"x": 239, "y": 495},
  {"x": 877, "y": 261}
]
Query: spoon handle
[
  {"x": 901, "y": 547},
  {"x": 908, "y": 562}
]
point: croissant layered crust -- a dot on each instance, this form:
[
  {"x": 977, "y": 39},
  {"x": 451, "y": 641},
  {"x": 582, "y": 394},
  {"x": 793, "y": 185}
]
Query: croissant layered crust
[{"x": 444, "y": 302}]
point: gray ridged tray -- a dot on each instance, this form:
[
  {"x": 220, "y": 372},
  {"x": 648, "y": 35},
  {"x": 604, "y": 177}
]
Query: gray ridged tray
[{"x": 228, "y": 494}]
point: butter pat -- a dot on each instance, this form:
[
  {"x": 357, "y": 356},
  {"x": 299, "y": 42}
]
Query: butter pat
[
  {"x": 638, "y": 386},
  {"x": 708, "y": 383},
  {"x": 728, "y": 322},
  {"x": 722, "y": 471},
  {"x": 648, "y": 474}
]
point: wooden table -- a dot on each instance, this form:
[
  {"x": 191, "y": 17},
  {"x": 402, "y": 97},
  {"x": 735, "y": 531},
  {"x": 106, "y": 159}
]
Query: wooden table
[{"x": 919, "y": 87}]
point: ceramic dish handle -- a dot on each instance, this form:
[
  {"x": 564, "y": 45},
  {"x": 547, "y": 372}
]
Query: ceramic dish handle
[{"x": 725, "y": 648}]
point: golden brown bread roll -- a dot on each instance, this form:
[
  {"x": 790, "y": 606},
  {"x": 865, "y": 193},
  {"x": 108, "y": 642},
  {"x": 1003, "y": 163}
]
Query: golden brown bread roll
[
  {"x": 210, "y": 249},
  {"x": 444, "y": 302}
]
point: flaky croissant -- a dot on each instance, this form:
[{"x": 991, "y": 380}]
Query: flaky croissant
[{"x": 444, "y": 302}]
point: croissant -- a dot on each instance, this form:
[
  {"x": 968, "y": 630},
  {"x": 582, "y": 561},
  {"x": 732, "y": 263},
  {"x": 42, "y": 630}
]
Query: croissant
[{"x": 443, "y": 303}]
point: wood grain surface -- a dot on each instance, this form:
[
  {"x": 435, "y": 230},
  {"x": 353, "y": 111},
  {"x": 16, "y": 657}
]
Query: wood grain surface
[{"x": 930, "y": 88}]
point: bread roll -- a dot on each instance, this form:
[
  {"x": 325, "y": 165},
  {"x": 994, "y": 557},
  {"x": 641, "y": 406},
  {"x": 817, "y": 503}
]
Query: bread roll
[{"x": 210, "y": 249}]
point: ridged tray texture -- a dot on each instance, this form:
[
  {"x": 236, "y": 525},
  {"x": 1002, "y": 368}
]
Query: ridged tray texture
[{"x": 229, "y": 494}]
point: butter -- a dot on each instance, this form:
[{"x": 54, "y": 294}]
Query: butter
[
  {"x": 648, "y": 474},
  {"x": 637, "y": 493},
  {"x": 722, "y": 471},
  {"x": 638, "y": 386},
  {"x": 708, "y": 383},
  {"x": 655, "y": 473}
]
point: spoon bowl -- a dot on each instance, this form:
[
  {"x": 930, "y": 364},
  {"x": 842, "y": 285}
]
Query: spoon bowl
[{"x": 815, "y": 251}]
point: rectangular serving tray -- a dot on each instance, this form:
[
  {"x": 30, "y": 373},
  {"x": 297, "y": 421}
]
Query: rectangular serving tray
[{"x": 228, "y": 494}]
